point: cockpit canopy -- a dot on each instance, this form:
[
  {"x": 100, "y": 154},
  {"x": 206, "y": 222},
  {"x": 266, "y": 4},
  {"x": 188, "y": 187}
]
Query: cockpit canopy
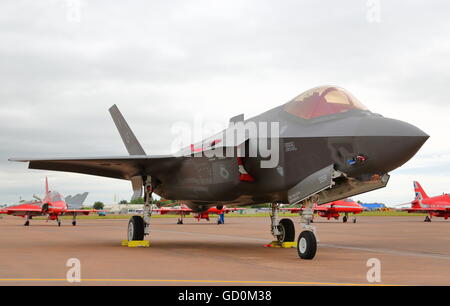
[
  {"x": 323, "y": 101},
  {"x": 55, "y": 196}
]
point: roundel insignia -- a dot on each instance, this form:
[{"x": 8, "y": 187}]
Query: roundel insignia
[{"x": 224, "y": 173}]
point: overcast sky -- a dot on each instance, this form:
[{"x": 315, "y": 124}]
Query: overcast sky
[{"x": 63, "y": 63}]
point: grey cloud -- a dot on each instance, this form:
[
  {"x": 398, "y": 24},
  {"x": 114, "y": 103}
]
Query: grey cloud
[{"x": 164, "y": 62}]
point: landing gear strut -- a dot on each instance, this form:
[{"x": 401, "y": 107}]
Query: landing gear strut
[
  {"x": 27, "y": 221},
  {"x": 139, "y": 227},
  {"x": 427, "y": 219},
  {"x": 345, "y": 218},
  {"x": 307, "y": 242},
  {"x": 181, "y": 219},
  {"x": 74, "y": 219},
  {"x": 283, "y": 230}
]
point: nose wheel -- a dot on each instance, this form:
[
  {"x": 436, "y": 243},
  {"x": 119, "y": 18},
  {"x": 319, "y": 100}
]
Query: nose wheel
[
  {"x": 307, "y": 241},
  {"x": 307, "y": 245}
]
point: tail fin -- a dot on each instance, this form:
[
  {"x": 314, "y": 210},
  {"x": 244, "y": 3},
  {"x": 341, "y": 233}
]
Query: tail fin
[
  {"x": 76, "y": 201},
  {"x": 420, "y": 193},
  {"x": 46, "y": 186},
  {"x": 132, "y": 144},
  {"x": 129, "y": 139}
]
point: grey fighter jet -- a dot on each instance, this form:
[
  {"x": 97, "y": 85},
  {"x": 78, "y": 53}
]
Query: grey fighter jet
[{"x": 322, "y": 146}]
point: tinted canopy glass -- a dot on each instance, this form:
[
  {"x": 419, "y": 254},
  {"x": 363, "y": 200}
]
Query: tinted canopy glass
[
  {"x": 55, "y": 197},
  {"x": 323, "y": 101}
]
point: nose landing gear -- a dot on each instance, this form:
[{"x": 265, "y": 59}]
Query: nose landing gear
[{"x": 307, "y": 241}]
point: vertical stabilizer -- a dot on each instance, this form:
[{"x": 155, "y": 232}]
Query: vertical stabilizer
[
  {"x": 132, "y": 144},
  {"x": 129, "y": 139},
  {"x": 46, "y": 186},
  {"x": 420, "y": 193}
]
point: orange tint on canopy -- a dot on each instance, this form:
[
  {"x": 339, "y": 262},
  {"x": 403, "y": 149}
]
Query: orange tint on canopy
[{"x": 322, "y": 101}]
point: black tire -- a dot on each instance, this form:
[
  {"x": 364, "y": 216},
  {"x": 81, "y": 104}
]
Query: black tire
[
  {"x": 74, "y": 223},
  {"x": 354, "y": 220},
  {"x": 287, "y": 230},
  {"x": 27, "y": 223},
  {"x": 344, "y": 219},
  {"x": 136, "y": 229},
  {"x": 307, "y": 245},
  {"x": 59, "y": 223}
]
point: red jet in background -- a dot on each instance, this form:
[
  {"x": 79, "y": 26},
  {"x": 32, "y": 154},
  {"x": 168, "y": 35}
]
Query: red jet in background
[
  {"x": 183, "y": 210},
  {"x": 333, "y": 209},
  {"x": 438, "y": 206},
  {"x": 53, "y": 206}
]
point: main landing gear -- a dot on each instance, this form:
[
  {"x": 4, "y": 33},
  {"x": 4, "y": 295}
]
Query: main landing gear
[
  {"x": 283, "y": 230},
  {"x": 139, "y": 227},
  {"x": 345, "y": 219},
  {"x": 27, "y": 220},
  {"x": 427, "y": 219}
]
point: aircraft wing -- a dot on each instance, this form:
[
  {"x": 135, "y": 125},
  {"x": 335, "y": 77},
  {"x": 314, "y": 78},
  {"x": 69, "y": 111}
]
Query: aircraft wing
[
  {"x": 113, "y": 167},
  {"x": 79, "y": 212},
  {"x": 295, "y": 210},
  {"x": 426, "y": 209},
  {"x": 173, "y": 211},
  {"x": 17, "y": 211}
]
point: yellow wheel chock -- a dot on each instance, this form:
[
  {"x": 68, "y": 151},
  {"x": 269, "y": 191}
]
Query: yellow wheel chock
[
  {"x": 136, "y": 244},
  {"x": 285, "y": 245}
]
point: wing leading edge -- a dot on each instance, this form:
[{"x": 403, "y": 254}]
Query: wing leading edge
[{"x": 113, "y": 167}]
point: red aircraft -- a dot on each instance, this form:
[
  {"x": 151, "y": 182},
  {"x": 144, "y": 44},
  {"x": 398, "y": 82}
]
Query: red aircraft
[
  {"x": 184, "y": 210},
  {"x": 334, "y": 209},
  {"x": 438, "y": 206},
  {"x": 53, "y": 206}
]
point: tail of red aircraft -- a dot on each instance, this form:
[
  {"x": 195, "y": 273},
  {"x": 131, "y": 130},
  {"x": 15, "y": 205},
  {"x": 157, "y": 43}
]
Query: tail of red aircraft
[
  {"x": 46, "y": 186},
  {"x": 420, "y": 193}
]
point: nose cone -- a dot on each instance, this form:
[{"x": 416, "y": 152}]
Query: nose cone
[{"x": 389, "y": 143}]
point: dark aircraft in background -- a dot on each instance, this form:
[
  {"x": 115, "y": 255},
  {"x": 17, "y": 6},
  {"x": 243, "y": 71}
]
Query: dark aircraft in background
[
  {"x": 52, "y": 206},
  {"x": 438, "y": 206},
  {"x": 334, "y": 209},
  {"x": 328, "y": 147}
]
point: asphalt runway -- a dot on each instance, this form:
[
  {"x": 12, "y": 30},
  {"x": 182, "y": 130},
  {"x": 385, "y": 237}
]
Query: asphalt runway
[{"x": 411, "y": 252}]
